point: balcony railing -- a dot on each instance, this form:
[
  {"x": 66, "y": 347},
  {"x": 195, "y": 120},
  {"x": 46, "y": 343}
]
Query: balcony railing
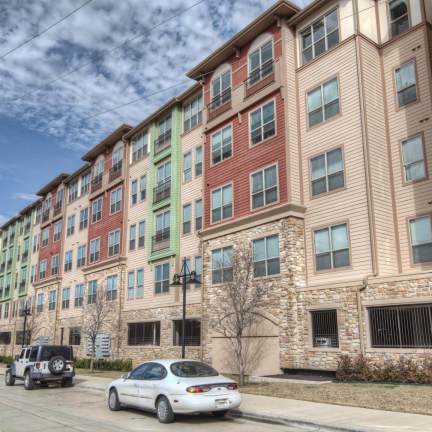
[
  {"x": 219, "y": 104},
  {"x": 45, "y": 215},
  {"x": 115, "y": 171},
  {"x": 162, "y": 190},
  {"x": 161, "y": 240},
  {"x": 263, "y": 75},
  {"x": 58, "y": 208},
  {"x": 162, "y": 142},
  {"x": 27, "y": 228},
  {"x": 96, "y": 182}
]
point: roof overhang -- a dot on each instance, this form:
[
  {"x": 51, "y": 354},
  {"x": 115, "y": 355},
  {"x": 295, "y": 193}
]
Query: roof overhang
[
  {"x": 282, "y": 9},
  {"x": 52, "y": 184},
  {"x": 305, "y": 12},
  {"x": 30, "y": 206},
  {"x": 79, "y": 171}
]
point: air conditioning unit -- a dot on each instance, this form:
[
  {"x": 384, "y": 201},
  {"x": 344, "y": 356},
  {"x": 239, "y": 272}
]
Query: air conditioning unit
[{"x": 323, "y": 342}]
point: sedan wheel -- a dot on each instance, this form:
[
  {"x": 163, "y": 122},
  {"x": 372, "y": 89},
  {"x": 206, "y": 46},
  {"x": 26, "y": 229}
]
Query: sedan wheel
[
  {"x": 113, "y": 400},
  {"x": 164, "y": 411}
]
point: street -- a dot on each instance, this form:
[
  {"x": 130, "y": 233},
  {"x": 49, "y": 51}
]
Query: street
[{"x": 77, "y": 409}]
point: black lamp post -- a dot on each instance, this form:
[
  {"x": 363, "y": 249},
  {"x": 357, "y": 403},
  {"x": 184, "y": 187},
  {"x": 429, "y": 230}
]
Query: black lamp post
[
  {"x": 182, "y": 279},
  {"x": 26, "y": 312}
]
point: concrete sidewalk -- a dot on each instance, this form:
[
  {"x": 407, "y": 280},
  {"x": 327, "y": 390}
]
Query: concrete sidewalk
[{"x": 311, "y": 415}]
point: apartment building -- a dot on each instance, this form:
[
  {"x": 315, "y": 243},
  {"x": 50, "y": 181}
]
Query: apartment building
[{"x": 306, "y": 138}]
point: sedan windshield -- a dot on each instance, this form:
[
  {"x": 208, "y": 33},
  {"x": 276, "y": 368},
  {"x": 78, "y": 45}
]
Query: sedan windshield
[{"x": 191, "y": 369}]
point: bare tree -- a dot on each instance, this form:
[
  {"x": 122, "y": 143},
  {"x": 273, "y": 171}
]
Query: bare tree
[
  {"x": 237, "y": 312},
  {"x": 96, "y": 318}
]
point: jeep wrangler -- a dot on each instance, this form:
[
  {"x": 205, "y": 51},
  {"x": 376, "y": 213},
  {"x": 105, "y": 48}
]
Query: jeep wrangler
[{"x": 42, "y": 364}]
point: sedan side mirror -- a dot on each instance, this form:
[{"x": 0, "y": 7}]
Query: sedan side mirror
[{"x": 126, "y": 376}]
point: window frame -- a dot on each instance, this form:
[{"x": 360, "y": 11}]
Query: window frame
[
  {"x": 313, "y": 312},
  {"x": 411, "y": 251},
  {"x": 187, "y": 173},
  {"x": 187, "y": 107},
  {"x": 223, "y": 269},
  {"x": 424, "y": 160},
  {"x": 113, "y": 246},
  {"x": 225, "y": 68},
  {"x": 160, "y": 281},
  {"x": 390, "y": 22},
  {"x": 262, "y": 170},
  {"x": 99, "y": 212},
  {"x": 112, "y": 292},
  {"x": 118, "y": 192},
  {"x": 187, "y": 223},
  {"x": 399, "y": 107},
  {"x": 96, "y": 240},
  {"x": 219, "y": 131},
  {"x": 266, "y": 259},
  {"x": 262, "y": 124},
  {"x": 221, "y": 187}
]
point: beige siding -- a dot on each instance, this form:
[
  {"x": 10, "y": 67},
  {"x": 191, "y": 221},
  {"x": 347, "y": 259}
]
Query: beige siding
[{"x": 367, "y": 19}]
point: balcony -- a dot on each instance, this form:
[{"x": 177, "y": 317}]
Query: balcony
[
  {"x": 162, "y": 142},
  {"x": 96, "y": 182},
  {"x": 161, "y": 240},
  {"x": 162, "y": 190},
  {"x": 219, "y": 104},
  {"x": 58, "y": 208},
  {"x": 260, "y": 78},
  {"x": 45, "y": 215},
  {"x": 116, "y": 171}
]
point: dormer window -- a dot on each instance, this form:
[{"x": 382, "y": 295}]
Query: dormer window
[
  {"x": 399, "y": 17},
  {"x": 260, "y": 62},
  {"x": 220, "y": 89}
]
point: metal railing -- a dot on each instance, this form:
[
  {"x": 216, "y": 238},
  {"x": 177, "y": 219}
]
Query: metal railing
[
  {"x": 162, "y": 142},
  {"x": 324, "y": 328},
  {"x": 258, "y": 74},
  {"x": 162, "y": 190},
  {"x": 161, "y": 240},
  {"x": 115, "y": 171},
  {"x": 45, "y": 215},
  {"x": 96, "y": 182},
  {"x": 220, "y": 100}
]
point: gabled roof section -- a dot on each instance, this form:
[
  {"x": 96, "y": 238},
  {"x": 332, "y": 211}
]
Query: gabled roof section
[
  {"x": 79, "y": 171},
  {"x": 52, "y": 184},
  {"x": 281, "y": 9},
  {"x": 109, "y": 141}
]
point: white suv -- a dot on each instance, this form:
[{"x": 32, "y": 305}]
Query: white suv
[{"x": 43, "y": 364}]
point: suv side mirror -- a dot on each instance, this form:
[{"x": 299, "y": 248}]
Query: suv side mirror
[{"x": 17, "y": 357}]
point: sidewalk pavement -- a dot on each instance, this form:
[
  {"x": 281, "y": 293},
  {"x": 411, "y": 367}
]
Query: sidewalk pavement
[{"x": 311, "y": 415}]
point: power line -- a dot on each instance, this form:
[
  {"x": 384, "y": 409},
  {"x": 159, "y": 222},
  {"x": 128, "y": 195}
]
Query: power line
[{"x": 2, "y": 56}]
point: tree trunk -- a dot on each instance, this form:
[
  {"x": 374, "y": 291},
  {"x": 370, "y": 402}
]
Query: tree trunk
[{"x": 93, "y": 354}]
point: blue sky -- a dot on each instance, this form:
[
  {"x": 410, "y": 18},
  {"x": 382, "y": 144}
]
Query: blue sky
[{"x": 45, "y": 128}]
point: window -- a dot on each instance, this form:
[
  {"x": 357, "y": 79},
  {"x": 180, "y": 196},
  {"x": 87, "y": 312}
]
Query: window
[
  {"x": 162, "y": 278},
  {"x": 402, "y": 326},
  {"x": 114, "y": 243},
  {"x": 222, "y": 269},
  {"x": 92, "y": 290},
  {"x": 198, "y": 214},
  {"x": 36, "y": 238},
  {"x": 264, "y": 187},
  {"x": 220, "y": 89},
  {"x": 54, "y": 265},
  {"x": 65, "y": 298},
  {"x": 187, "y": 167},
  {"x": 73, "y": 191},
  {"x": 132, "y": 237},
  {"x": 6, "y": 311},
  {"x": 40, "y": 303},
  {"x": 325, "y": 329},
  {"x": 140, "y": 283},
  {"x": 79, "y": 295},
  {"x": 85, "y": 183},
  {"x": 42, "y": 269},
  {"x": 116, "y": 197},
  {"x": 144, "y": 333},
  {"x": 163, "y": 224},
  {"x": 320, "y": 36},
  {"x": 68, "y": 261},
  {"x": 198, "y": 267},
  {"x": 111, "y": 293},
  {"x": 139, "y": 145},
  {"x": 413, "y": 159},
  {"x": 323, "y": 102},
  {"x": 327, "y": 172},
  {"x": 131, "y": 285},
  {"x": 222, "y": 203},
  {"x": 141, "y": 234},
  {"x": 75, "y": 336},
  {"x": 57, "y": 231},
  {"x": 421, "y": 239},
  {"x": 33, "y": 273},
  {"x": 97, "y": 210},
  {"x": 134, "y": 192},
  {"x": 187, "y": 218},
  {"x": 83, "y": 218},
  {"x": 266, "y": 256},
  {"x": 59, "y": 198},
  {"x": 94, "y": 250},
  {"x": 192, "y": 332},
  {"x": 399, "y": 17},
  {"x": 198, "y": 161},
  {"x": 262, "y": 123},
  {"x": 406, "y": 84},
  {"x": 260, "y": 62},
  {"x": 117, "y": 157},
  {"x": 81, "y": 256},
  {"x": 143, "y": 188},
  {"x": 221, "y": 144},
  {"x": 98, "y": 170},
  {"x": 331, "y": 247},
  {"x": 45, "y": 237},
  {"x": 5, "y": 337},
  {"x": 192, "y": 113},
  {"x": 70, "y": 225},
  {"x": 52, "y": 299}
]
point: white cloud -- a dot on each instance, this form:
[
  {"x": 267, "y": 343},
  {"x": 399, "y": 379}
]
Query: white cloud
[{"x": 24, "y": 196}]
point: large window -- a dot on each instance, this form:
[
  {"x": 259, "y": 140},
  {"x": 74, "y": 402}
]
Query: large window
[
  {"x": 264, "y": 187},
  {"x": 57, "y": 229},
  {"x": 221, "y": 144},
  {"x": 52, "y": 299},
  {"x": 40, "y": 302},
  {"x": 132, "y": 237},
  {"x": 92, "y": 292},
  {"x": 162, "y": 278},
  {"x": 73, "y": 191},
  {"x": 192, "y": 113},
  {"x": 414, "y": 159},
  {"x": 399, "y": 16},
  {"x": 42, "y": 270},
  {"x": 45, "y": 237},
  {"x": 198, "y": 214},
  {"x": 260, "y": 62},
  {"x": 320, "y": 36},
  {"x": 222, "y": 265},
  {"x": 266, "y": 256},
  {"x": 421, "y": 239},
  {"x": 134, "y": 192},
  {"x": 406, "y": 84},
  {"x": 192, "y": 332},
  {"x": 144, "y": 333},
  {"x": 221, "y": 203},
  {"x": 85, "y": 183},
  {"x": 131, "y": 285},
  {"x": 68, "y": 260},
  {"x": 143, "y": 188},
  {"x": 114, "y": 243},
  {"x": 97, "y": 210},
  {"x": 323, "y": 102},
  {"x": 81, "y": 256},
  {"x": 70, "y": 225},
  {"x": 111, "y": 290},
  {"x": 141, "y": 234},
  {"x": 79, "y": 295},
  {"x": 220, "y": 89},
  {"x": 325, "y": 328},
  {"x": 75, "y": 336},
  {"x": 54, "y": 264},
  {"x": 65, "y": 298},
  {"x": 187, "y": 167},
  {"x": 198, "y": 161},
  {"x": 331, "y": 247},
  {"x": 94, "y": 250},
  {"x": 83, "y": 218},
  {"x": 403, "y": 326},
  {"x": 116, "y": 198},
  {"x": 262, "y": 123},
  {"x": 327, "y": 172},
  {"x": 139, "y": 146},
  {"x": 140, "y": 283},
  {"x": 187, "y": 218}
]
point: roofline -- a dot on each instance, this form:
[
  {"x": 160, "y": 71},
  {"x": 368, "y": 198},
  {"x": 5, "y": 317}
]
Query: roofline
[
  {"x": 306, "y": 11},
  {"x": 9, "y": 222},
  {"x": 77, "y": 172},
  {"x": 30, "y": 206},
  {"x": 52, "y": 184}
]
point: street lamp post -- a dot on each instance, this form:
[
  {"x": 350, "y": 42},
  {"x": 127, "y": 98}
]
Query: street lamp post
[
  {"x": 27, "y": 312},
  {"x": 182, "y": 279}
]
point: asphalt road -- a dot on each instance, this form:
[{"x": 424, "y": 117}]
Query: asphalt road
[{"x": 55, "y": 409}]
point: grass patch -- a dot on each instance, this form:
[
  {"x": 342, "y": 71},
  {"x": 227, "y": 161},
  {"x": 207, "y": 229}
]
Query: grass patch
[{"x": 99, "y": 373}]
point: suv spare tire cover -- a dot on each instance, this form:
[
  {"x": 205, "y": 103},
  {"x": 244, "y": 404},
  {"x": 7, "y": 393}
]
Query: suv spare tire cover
[{"x": 57, "y": 365}]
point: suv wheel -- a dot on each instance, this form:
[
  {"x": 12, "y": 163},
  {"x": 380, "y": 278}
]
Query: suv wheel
[
  {"x": 57, "y": 365},
  {"x": 113, "y": 400},
  {"x": 9, "y": 378},
  {"x": 28, "y": 381},
  {"x": 164, "y": 411}
]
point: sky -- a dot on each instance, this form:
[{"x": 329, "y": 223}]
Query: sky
[{"x": 54, "y": 90}]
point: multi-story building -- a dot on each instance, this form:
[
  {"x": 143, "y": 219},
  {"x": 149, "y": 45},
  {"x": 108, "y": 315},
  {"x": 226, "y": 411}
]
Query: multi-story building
[{"x": 306, "y": 139}]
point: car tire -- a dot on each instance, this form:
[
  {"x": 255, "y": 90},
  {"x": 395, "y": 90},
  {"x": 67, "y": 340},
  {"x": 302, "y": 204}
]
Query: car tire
[
  {"x": 9, "y": 378},
  {"x": 57, "y": 365},
  {"x": 164, "y": 412},
  {"x": 113, "y": 400},
  {"x": 28, "y": 381},
  {"x": 220, "y": 414},
  {"x": 66, "y": 382}
]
